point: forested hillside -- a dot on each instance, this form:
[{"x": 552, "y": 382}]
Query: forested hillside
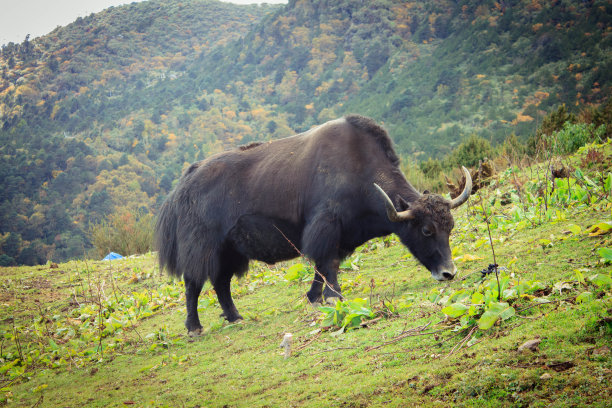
[{"x": 101, "y": 116}]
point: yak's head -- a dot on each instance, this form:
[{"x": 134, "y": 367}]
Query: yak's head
[{"x": 424, "y": 226}]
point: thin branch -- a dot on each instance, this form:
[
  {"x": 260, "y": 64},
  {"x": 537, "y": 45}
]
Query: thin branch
[
  {"x": 484, "y": 213},
  {"x": 410, "y": 333},
  {"x": 303, "y": 346},
  {"x": 330, "y": 287},
  {"x": 459, "y": 345}
]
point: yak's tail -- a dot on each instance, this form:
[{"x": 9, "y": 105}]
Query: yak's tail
[{"x": 166, "y": 239}]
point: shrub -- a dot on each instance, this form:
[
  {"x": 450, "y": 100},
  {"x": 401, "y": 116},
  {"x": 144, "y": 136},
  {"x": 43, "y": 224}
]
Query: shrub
[
  {"x": 470, "y": 152},
  {"x": 6, "y": 260},
  {"x": 512, "y": 149},
  {"x": 125, "y": 232},
  {"x": 575, "y": 135},
  {"x": 554, "y": 122},
  {"x": 431, "y": 168}
]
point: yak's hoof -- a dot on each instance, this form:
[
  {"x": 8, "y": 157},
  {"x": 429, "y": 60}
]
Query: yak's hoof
[
  {"x": 232, "y": 318},
  {"x": 195, "y": 333},
  {"x": 332, "y": 300},
  {"x": 316, "y": 305},
  {"x": 314, "y": 299}
]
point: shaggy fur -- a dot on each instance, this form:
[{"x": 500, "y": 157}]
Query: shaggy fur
[{"x": 311, "y": 193}]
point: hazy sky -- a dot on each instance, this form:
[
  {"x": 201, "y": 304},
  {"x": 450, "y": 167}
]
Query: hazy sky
[{"x": 39, "y": 17}]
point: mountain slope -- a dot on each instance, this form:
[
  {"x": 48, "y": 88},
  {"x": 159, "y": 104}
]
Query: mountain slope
[{"x": 102, "y": 115}]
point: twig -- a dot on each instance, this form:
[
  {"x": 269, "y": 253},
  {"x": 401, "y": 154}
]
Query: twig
[
  {"x": 410, "y": 333},
  {"x": 334, "y": 349},
  {"x": 15, "y": 333},
  {"x": 330, "y": 287},
  {"x": 40, "y": 400},
  {"x": 303, "y": 346},
  {"x": 484, "y": 213},
  {"x": 462, "y": 342},
  {"x": 368, "y": 322}
]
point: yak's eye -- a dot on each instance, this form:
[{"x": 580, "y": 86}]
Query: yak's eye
[{"x": 426, "y": 231}]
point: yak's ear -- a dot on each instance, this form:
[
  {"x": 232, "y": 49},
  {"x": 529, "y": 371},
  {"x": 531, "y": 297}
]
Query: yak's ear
[{"x": 402, "y": 205}]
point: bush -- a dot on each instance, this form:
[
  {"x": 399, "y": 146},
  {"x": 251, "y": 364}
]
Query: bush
[
  {"x": 512, "y": 149},
  {"x": 552, "y": 123},
  {"x": 431, "y": 168},
  {"x": 575, "y": 135},
  {"x": 6, "y": 260},
  {"x": 125, "y": 232},
  {"x": 470, "y": 152}
]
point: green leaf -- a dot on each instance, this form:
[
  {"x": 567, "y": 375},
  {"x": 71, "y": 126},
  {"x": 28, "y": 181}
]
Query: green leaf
[
  {"x": 608, "y": 183},
  {"x": 458, "y": 296},
  {"x": 351, "y": 321},
  {"x": 509, "y": 293},
  {"x": 584, "y": 297},
  {"x": 508, "y": 313},
  {"x": 455, "y": 310},
  {"x": 605, "y": 253},
  {"x": 495, "y": 311},
  {"x": 544, "y": 243},
  {"x": 601, "y": 280},
  {"x": 600, "y": 229},
  {"x": 487, "y": 320},
  {"x": 473, "y": 310},
  {"x": 579, "y": 275},
  {"x": 466, "y": 321},
  {"x": 574, "y": 229},
  {"x": 295, "y": 272},
  {"x": 477, "y": 298}
]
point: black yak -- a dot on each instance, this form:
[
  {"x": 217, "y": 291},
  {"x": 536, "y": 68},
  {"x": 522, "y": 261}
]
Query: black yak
[{"x": 321, "y": 193}]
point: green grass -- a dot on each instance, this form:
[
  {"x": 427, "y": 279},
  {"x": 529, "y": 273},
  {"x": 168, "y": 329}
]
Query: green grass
[{"x": 147, "y": 359}]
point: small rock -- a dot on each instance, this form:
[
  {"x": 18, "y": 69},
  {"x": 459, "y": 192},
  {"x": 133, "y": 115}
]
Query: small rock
[
  {"x": 545, "y": 376},
  {"x": 53, "y": 265},
  {"x": 531, "y": 345}
]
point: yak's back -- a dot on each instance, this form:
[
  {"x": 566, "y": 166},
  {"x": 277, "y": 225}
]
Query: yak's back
[{"x": 377, "y": 133}]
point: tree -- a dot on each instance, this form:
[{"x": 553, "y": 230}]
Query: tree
[
  {"x": 12, "y": 245},
  {"x": 471, "y": 151},
  {"x": 377, "y": 56}
]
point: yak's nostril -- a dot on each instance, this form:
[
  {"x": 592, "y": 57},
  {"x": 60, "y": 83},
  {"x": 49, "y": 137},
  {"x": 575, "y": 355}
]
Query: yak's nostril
[{"x": 447, "y": 276}]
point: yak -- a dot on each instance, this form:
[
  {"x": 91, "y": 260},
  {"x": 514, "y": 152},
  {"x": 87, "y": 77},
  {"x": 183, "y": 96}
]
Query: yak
[{"x": 321, "y": 194}]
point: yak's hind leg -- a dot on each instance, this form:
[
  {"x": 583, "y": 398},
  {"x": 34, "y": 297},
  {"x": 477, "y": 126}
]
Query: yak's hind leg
[
  {"x": 192, "y": 292},
  {"x": 232, "y": 263}
]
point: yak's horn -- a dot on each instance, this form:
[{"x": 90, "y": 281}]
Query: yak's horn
[
  {"x": 392, "y": 213},
  {"x": 462, "y": 198}
]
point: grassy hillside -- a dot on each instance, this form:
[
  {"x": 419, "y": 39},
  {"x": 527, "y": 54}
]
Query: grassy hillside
[{"x": 111, "y": 333}]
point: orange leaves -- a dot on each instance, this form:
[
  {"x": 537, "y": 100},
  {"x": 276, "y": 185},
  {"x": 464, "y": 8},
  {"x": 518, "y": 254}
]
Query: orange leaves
[
  {"x": 28, "y": 92},
  {"x": 523, "y": 118},
  {"x": 258, "y": 113}
]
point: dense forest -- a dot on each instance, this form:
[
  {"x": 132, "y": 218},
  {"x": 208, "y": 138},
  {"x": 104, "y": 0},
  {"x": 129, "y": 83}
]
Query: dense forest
[{"x": 101, "y": 116}]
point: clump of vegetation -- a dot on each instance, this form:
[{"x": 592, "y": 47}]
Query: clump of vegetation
[
  {"x": 471, "y": 152},
  {"x": 125, "y": 232}
]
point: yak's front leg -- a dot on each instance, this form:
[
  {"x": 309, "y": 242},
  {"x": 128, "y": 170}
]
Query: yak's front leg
[
  {"x": 326, "y": 273},
  {"x": 332, "y": 292},
  {"x": 320, "y": 242}
]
